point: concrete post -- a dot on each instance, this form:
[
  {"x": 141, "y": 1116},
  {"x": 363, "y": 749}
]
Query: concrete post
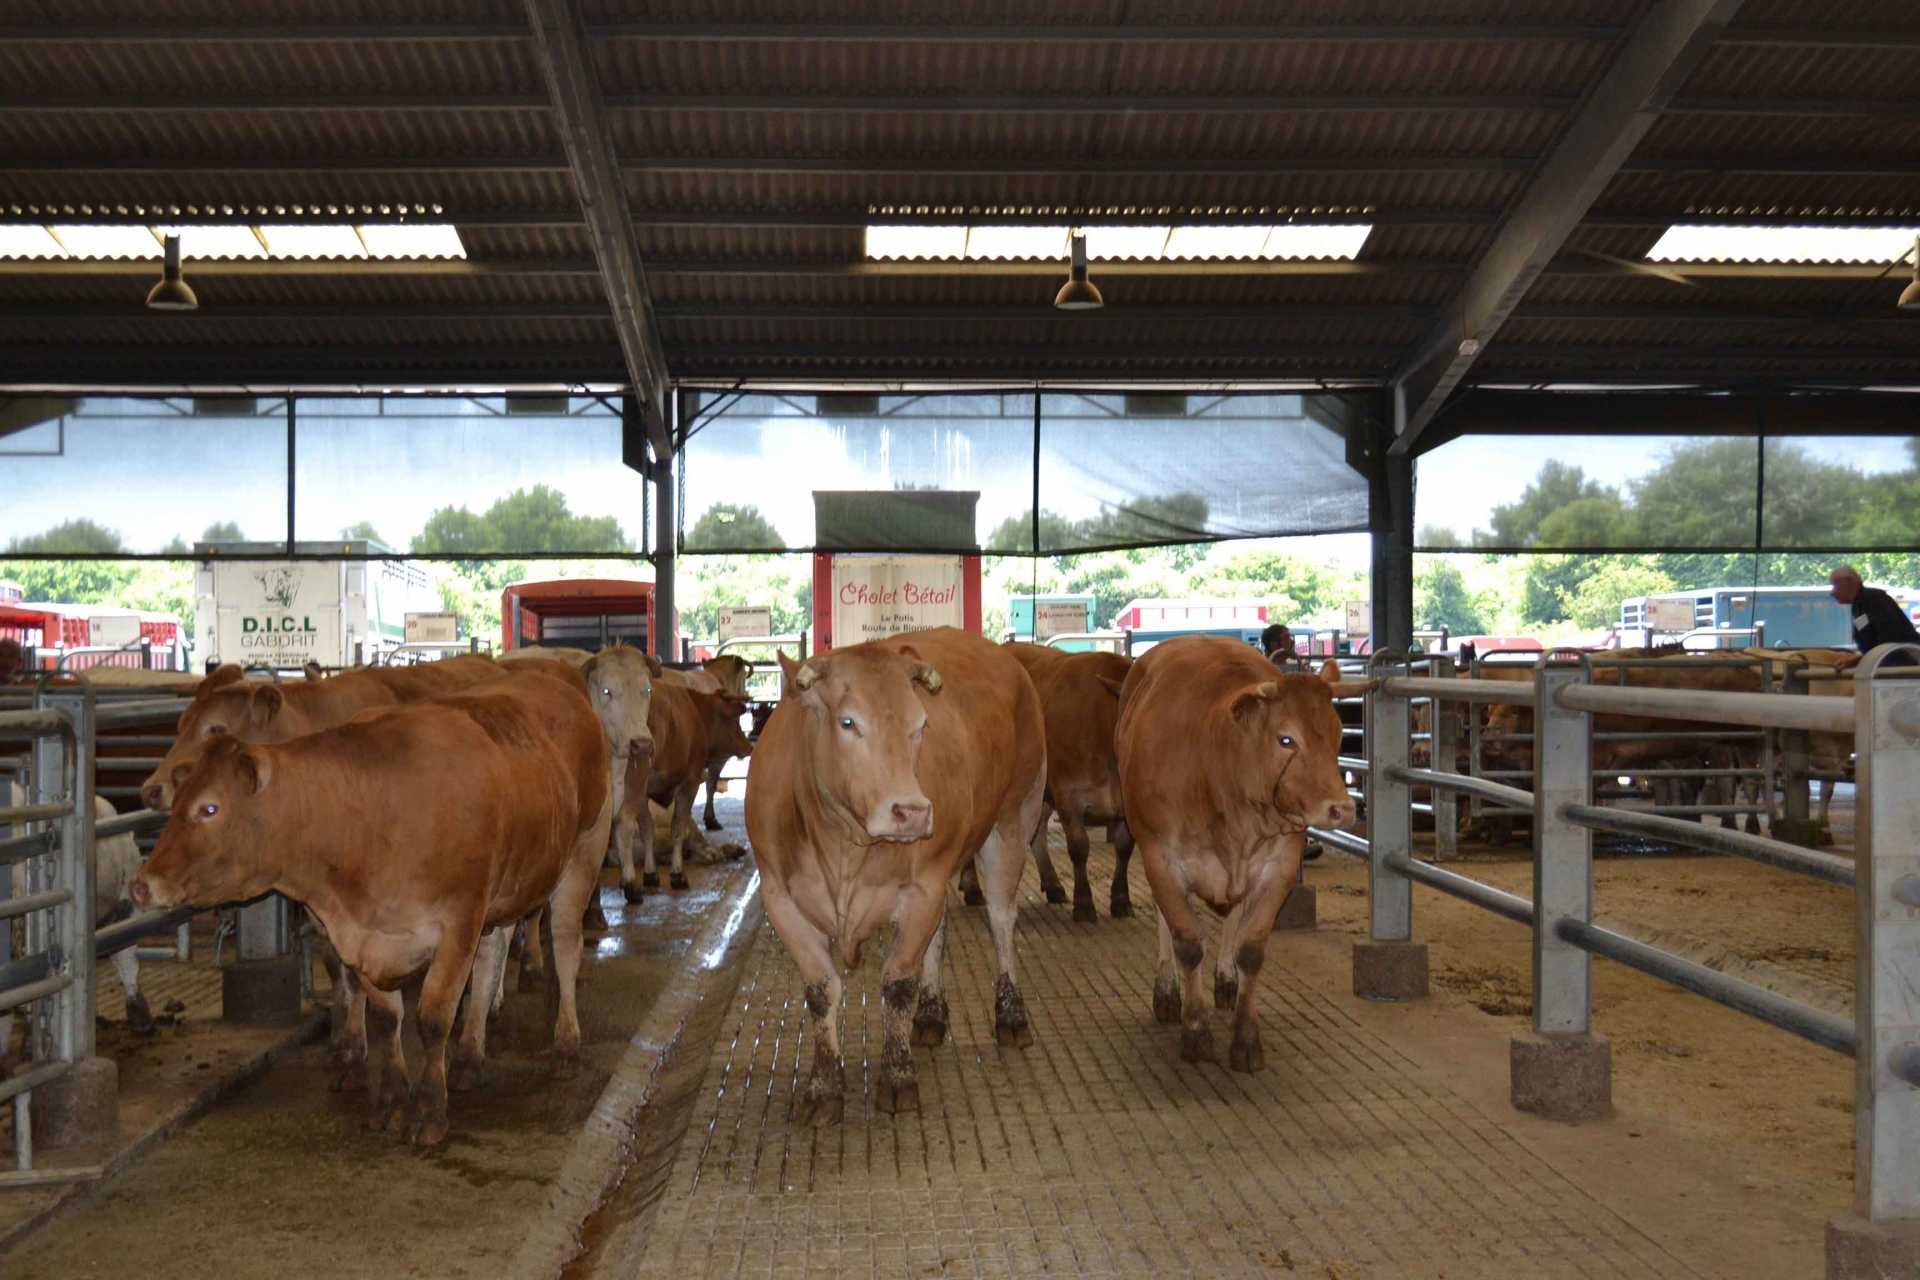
[
  {"x": 262, "y": 987},
  {"x": 1389, "y": 965},
  {"x": 1882, "y": 1238},
  {"x": 1561, "y": 1069},
  {"x": 1795, "y": 823},
  {"x": 666, "y": 494},
  {"x": 82, "y": 1106}
]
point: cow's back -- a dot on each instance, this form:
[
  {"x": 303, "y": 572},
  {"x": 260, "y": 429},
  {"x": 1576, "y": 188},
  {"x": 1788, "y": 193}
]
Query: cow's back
[
  {"x": 1166, "y": 737},
  {"x": 1079, "y": 697},
  {"x": 431, "y": 679}
]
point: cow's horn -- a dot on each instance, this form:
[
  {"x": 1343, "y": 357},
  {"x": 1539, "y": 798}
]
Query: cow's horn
[
  {"x": 926, "y": 675},
  {"x": 804, "y": 676}
]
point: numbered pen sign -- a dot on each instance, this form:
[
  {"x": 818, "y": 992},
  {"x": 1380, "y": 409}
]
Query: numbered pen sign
[
  {"x": 1058, "y": 618},
  {"x": 116, "y": 629},
  {"x": 432, "y": 628},
  {"x": 1359, "y": 619},
  {"x": 744, "y": 622},
  {"x": 879, "y": 596}
]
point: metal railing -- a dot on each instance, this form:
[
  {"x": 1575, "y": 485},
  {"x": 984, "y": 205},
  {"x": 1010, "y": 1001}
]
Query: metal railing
[
  {"x": 55, "y": 975},
  {"x": 1884, "y": 719}
]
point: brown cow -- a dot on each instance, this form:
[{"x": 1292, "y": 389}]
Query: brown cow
[
  {"x": 260, "y": 712},
  {"x": 1080, "y": 697},
  {"x": 727, "y": 676},
  {"x": 407, "y": 863},
  {"x": 884, "y": 768},
  {"x": 1224, "y": 765},
  {"x": 689, "y": 728}
]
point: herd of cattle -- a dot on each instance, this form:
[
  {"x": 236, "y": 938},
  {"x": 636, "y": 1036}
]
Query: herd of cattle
[{"x": 888, "y": 771}]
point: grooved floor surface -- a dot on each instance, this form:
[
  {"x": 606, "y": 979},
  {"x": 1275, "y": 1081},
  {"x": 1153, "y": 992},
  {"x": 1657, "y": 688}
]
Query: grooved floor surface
[{"x": 1097, "y": 1152}]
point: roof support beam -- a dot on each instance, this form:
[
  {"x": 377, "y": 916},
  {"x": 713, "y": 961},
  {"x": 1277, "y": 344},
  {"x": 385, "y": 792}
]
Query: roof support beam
[
  {"x": 1655, "y": 60},
  {"x": 560, "y": 47}
]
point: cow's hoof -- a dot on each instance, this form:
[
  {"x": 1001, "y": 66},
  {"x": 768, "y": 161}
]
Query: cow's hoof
[
  {"x": 632, "y": 893},
  {"x": 819, "y": 1109},
  {"x": 139, "y": 1017},
  {"x": 896, "y": 1097},
  {"x": 1196, "y": 1044},
  {"x": 650, "y": 879},
  {"x": 678, "y": 880},
  {"x": 930, "y": 1021},
  {"x": 429, "y": 1132},
  {"x": 1753, "y": 825},
  {"x": 1083, "y": 910},
  {"x": 1166, "y": 1004},
  {"x": 1245, "y": 1053},
  {"x": 1121, "y": 908},
  {"x": 973, "y": 897},
  {"x": 1056, "y": 893},
  {"x": 712, "y": 824},
  {"x": 349, "y": 1074},
  {"x": 1226, "y": 992},
  {"x": 463, "y": 1075}
]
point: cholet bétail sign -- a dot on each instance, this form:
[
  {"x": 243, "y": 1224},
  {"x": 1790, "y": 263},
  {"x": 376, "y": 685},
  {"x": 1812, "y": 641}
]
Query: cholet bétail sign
[{"x": 879, "y": 596}]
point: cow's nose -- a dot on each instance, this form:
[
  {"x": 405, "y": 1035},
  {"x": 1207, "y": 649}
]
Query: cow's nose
[
  {"x": 1339, "y": 814},
  {"x": 142, "y": 895},
  {"x": 154, "y": 796},
  {"x": 906, "y": 820},
  {"x": 640, "y": 749}
]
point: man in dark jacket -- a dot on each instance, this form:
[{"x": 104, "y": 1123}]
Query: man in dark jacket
[
  {"x": 1277, "y": 643},
  {"x": 1877, "y": 617}
]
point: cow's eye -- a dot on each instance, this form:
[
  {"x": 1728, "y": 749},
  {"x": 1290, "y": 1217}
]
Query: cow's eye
[
  {"x": 215, "y": 730},
  {"x": 605, "y": 692},
  {"x": 1286, "y": 740},
  {"x": 846, "y": 722},
  {"x": 208, "y": 810}
]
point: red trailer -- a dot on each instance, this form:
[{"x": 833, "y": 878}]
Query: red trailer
[
  {"x": 50, "y": 632},
  {"x": 578, "y": 613}
]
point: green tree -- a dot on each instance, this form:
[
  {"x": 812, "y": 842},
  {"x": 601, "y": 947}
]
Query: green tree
[
  {"x": 1595, "y": 600},
  {"x": 1015, "y": 533},
  {"x": 222, "y": 531},
  {"x": 1557, "y": 485},
  {"x": 362, "y": 531},
  {"x": 730, "y": 526},
  {"x": 782, "y": 583},
  {"x": 1601, "y": 521},
  {"x": 1702, "y": 495},
  {"x": 79, "y": 536},
  {"x": 1433, "y": 535},
  {"x": 1293, "y": 588},
  {"x": 535, "y": 519},
  {"x": 1441, "y": 598}
]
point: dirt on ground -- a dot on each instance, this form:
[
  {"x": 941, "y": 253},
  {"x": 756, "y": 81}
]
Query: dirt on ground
[
  {"x": 1717, "y": 1078},
  {"x": 285, "y": 1179}
]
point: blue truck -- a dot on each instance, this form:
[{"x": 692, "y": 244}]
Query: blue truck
[{"x": 1737, "y": 617}]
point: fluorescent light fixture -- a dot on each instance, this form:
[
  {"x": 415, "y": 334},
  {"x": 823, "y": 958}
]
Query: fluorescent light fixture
[
  {"x": 90, "y": 241},
  {"x": 296, "y": 240},
  {"x": 29, "y": 242},
  {"x": 291, "y": 241},
  {"x": 1003, "y": 243},
  {"x": 1006, "y": 244},
  {"x": 217, "y": 242},
  {"x": 1783, "y": 244},
  {"x": 916, "y": 242},
  {"x": 412, "y": 240}
]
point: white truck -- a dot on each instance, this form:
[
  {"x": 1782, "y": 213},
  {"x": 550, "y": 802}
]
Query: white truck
[{"x": 283, "y": 614}]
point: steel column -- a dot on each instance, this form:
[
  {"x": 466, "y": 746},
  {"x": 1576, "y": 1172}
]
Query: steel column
[
  {"x": 1389, "y": 817},
  {"x": 1445, "y": 719},
  {"x": 1886, "y": 1176},
  {"x": 1562, "y": 852},
  {"x": 64, "y": 1023}
]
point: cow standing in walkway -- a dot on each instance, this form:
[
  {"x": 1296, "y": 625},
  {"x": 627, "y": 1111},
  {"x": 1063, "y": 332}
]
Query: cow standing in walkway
[
  {"x": 411, "y": 834},
  {"x": 1224, "y": 765},
  {"x": 884, "y": 768},
  {"x": 690, "y": 729},
  {"x": 1080, "y": 697}
]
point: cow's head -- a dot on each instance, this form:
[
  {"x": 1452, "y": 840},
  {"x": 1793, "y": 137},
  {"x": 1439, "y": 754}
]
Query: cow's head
[
  {"x": 1497, "y": 748},
  {"x": 733, "y": 739},
  {"x": 620, "y": 685},
  {"x": 1292, "y": 736},
  {"x": 212, "y": 848},
  {"x": 865, "y": 715},
  {"x": 732, "y": 671},
  {"x": 235, "y": 708}
]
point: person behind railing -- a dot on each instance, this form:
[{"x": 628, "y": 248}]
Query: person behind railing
[
  {"x": 1277, "y": 643},
  {"x": 1877, "y": 617}
]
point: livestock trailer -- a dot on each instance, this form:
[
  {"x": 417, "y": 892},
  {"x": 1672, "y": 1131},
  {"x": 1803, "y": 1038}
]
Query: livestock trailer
[
  {"x": 77, "y": 636},
  {"x": 286, "y": 613},
  {"x": 1735, "y": 617},
  {"x": 1147, "y": 622},
  {"x": 578, "y": 613}
]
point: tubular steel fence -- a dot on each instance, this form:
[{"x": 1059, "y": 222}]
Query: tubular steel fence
[{"x": 1883, "y": 720}]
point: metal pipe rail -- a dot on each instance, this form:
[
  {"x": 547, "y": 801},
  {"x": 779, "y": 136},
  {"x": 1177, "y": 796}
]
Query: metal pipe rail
[
  {"x": 1467, "y": 690},
  {"x": 1775, "y": 853},
  {"x": 1829, "y": 1031},
  {"x": 143, "y": 712},
  {"x": 1499, "y": 901},
  {"x": 1461, "y": 782},
  {"x": 1763, "y": 710}
]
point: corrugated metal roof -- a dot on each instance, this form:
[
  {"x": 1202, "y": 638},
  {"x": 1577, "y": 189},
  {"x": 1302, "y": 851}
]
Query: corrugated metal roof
[{"x": 1430, "y": 117}]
